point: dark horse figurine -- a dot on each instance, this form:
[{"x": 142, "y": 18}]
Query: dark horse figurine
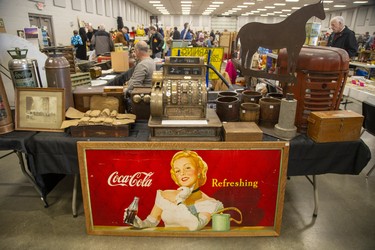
[{"x": 289, "y": 34}]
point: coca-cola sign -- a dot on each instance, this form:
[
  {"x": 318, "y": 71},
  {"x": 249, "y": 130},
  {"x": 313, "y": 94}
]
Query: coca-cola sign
[
  {"x": 138, "y": 179},
  {"x": 114, "y": 173}
]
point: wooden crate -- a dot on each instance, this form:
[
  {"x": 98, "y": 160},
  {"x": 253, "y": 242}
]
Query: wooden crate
[
  {"x": 334, "y": 126},
  {"x": 80, "y": 79},
  {"x": 242, "y": 131}
]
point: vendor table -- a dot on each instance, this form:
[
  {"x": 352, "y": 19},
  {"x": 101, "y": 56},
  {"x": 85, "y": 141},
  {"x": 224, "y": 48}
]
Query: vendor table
[
  {"x": 368, "y": 67},
  {"x": 51, "y": 156},
  {"x": 15, "y": 142}
]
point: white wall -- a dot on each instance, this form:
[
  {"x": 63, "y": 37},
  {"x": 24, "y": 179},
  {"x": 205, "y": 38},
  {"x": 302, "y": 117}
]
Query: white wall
[{"x": 15, "y": 14}]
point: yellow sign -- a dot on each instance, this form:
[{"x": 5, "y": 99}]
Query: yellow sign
[{"x": 216, "y": 57}]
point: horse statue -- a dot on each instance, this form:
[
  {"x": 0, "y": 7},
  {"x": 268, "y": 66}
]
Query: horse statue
[{"x": 289, "y": 34}]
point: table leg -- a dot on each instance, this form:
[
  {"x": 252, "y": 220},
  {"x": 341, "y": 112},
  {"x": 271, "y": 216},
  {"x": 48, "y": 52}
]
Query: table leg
[
  {"x": 30, "y": 178},
  {"x": 74, "y": 196},
  {"x": 315, "y": 187}
]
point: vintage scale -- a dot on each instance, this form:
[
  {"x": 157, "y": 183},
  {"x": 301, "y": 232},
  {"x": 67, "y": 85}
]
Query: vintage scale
[{"x": 178, "y": 108}]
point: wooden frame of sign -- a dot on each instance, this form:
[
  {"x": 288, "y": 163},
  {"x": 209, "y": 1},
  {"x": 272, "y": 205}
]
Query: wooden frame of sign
[{"x": 246, "y": 178}]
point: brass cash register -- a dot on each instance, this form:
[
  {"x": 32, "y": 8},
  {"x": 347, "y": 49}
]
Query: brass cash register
[{"x": 179, "y": 103}]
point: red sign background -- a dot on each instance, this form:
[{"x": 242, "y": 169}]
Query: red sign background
[{"x": 245, "y": 179}]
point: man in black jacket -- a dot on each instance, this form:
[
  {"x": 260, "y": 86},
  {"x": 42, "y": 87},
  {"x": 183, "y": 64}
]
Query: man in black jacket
[
  {"x": 342, "y": 37},
  {"x": 156, "y": 42}
]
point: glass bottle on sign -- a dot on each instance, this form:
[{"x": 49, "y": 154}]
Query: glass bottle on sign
[{"x": 131, "y": 211}]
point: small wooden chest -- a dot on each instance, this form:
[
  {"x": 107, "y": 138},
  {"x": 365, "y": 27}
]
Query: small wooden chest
[
  {"x": 334, "y": 126},
  {"x": 242, "y": 131},
  {"x": 100, "y": 131}
]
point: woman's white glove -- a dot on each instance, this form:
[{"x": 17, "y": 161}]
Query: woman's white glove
[
  {"x": 148, "y": 222},
  {"x": 184, "y": 193},
  {"x": 192, "y": 222}
]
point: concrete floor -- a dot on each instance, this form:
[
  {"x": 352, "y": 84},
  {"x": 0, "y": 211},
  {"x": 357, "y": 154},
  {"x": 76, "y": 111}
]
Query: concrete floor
[{"x": 346, "y": 217}]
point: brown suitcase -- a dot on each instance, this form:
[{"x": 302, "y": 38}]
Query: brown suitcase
[
  {"x": 242, "y": 131},
  {"x": 321, "y": 77},
  {"x": 334, "y": 126}
]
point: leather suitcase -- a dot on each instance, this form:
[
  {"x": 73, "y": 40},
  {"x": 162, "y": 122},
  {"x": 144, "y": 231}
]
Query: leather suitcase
[
  {"x": 334, "y": 126},
  {"x": 321, "y": 77},
  {"x": 242, "y": 131}
]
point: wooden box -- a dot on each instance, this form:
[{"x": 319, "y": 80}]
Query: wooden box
[
  {"x": 242, "y": 131},
  {"x": 83, "y": 96},
  {"x": 120, "y": 61},
  {"x": 334, "y": 126},
  {"x": 100, "y": 131}
]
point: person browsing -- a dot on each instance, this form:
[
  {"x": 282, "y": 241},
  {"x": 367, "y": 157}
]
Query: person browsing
[
  {"x": 142, "y": 75},
  {"x": 102, "y": 41},
  {"x": 185, "y": 33},
  {"x": 342, "y": 37},
  {"x": 156, "y": 42}
]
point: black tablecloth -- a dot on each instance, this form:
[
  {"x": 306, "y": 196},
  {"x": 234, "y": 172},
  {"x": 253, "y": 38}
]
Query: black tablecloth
[
  {"x": 15, "y": 140},
  {"x": 54, "y": 155},
  {"x": 57, "y": 152},
  {"x": 309, "y": 158}
]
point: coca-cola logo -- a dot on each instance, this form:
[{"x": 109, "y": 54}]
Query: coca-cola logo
[{"x": 138, "y": 179}]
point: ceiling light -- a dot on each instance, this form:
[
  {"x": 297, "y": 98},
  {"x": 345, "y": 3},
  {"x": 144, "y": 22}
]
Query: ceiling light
[
  {"x": 357, "y": 2},
  {"x": 249, "y": 3},
  {"x": 214, "y": 5},
  {"x": 292, "y": 1},
  {"x": 157, "y": 5},
  {"x": 286, "y": 10},
  {"x": 261, "y": 9},
  {"x": 328, "y": 1},
  {"x": 241, "y": 6},
  {"x": 339, "y": 5},
  {"x": 217, "y": 2},
  {"x": 186, "y": 5},
  {"x": 279, "y": 4},
  {"x": 186, "y": 1},
  {"x": 296, "y": 8},
  {"x": 326, "y": 9},
  {"x": 154, "y": 1},
  {"x": 269, "y": 7}
]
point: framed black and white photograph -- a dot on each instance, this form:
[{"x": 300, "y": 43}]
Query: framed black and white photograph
[{"x": 39, "y": 109}]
